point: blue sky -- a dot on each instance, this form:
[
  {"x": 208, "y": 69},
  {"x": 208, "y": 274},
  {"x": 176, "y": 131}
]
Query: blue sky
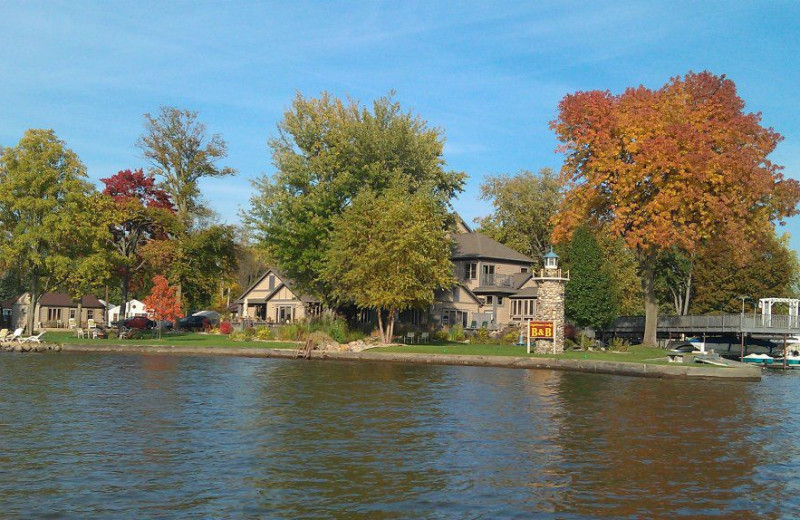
[{"x": 490, "y": 75}]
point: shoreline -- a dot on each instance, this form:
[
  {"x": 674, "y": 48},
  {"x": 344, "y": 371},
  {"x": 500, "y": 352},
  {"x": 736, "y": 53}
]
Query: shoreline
[{"x": 676, "y": 371}]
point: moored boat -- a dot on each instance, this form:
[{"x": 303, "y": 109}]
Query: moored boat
[{"x": 759, "y": 359}]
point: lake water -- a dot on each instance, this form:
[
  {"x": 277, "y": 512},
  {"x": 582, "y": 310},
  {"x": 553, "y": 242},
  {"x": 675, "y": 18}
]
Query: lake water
[{"x": 90, "y": 436}]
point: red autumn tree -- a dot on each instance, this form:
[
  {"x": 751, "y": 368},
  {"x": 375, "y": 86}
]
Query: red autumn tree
[
  {"x": 140, "y": 213},
  {"x": 669, "y": 168},
  {"x": 162, "y": 302}
]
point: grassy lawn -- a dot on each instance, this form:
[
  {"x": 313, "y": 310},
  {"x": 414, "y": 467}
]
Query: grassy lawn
[
  {"x": 188, "y": 339},
  {"x": 635, "y": 354}
]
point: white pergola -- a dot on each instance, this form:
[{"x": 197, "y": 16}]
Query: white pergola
[{"x": 765, "y": 304}]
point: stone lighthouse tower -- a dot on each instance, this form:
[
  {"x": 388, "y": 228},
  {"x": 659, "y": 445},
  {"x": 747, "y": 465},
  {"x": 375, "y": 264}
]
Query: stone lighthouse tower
[{"x": 551, "y": 283}]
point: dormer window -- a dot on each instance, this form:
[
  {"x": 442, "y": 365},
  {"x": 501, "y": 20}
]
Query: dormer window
[{"x": 470, "y": 271}]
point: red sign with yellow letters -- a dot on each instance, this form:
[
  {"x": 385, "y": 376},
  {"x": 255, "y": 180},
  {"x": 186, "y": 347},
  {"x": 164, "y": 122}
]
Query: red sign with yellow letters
[{"x": 541, "y": 330}]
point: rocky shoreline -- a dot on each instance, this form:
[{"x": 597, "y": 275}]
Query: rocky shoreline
[
  {"x": 30, "y": 347},
  {"x": 677, "y": 371}
]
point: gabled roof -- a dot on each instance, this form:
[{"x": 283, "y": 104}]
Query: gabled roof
[
  {"x": 461, "y": 224},
  {"x": 477, "y": 245},
  {"x": 52, "y": 299},
  {"x": 283, "y": 281}
]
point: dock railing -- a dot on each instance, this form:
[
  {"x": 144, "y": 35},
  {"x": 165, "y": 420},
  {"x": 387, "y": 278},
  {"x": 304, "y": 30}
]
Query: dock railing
[{"x": 717, "y": 324}]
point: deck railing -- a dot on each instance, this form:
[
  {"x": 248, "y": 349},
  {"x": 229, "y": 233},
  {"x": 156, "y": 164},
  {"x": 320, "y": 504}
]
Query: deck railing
[{"x": 778, "y": 324}]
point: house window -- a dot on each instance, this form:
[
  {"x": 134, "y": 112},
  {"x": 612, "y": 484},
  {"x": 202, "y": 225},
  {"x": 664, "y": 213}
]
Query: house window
[
  {"x": 72, "y": 314},
  {"x": 523, "y": 308},
  {"x": 90, "y": 314},
  {"x": 489, "y": 299},
  {"x": 284, "y": 313},
  {"x": 456, "y": 294},
  {"x": 53, "y": 314},
  {"x": 471, "y": 271},
  {"x": 271, "y": 282},
  {"x": 488, "y": 275},
  {"x": 499, "y": 300},
  {"x": 523, "y": 270}
]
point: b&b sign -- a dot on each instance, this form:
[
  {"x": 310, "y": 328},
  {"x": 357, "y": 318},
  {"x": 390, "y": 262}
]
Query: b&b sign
[{"x": 541, "y": 330}]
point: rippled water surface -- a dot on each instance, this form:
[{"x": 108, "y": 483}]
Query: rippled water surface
[{"x": 86, "y": 436}]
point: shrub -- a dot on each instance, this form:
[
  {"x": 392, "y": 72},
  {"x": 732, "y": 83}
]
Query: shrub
[
  {"x": 249, "y": 333},
  {"x": 584, "y": 341},
  {"x": 293, "y": 332},
  {"x": 213, "y": 330},
  {"x": 457, "y": 333},
  {"x": 111, "y": 333},
  {"x": 619, "y": 344},
  {"x": 482, "y": 335},
  {"x": 225, "y": 327},
  {"x": 510, "y": 338},
  {"x": 441, "y": 335},
  {"x": 264, "y": 333},
  {"x": 238, "y": 336}
]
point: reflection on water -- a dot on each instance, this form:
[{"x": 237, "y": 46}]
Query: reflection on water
[{"x": 178, "y": 437}]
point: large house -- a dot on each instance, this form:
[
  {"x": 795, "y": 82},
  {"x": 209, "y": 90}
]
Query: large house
[
  {"x": 55, "y": 310},
  {"x": 273, "y": 298},
  {"x": 495, "y": 288},
  {"x": 495, "y": 285}
]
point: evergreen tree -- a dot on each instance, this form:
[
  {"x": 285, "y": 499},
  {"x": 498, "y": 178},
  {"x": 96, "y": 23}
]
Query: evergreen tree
[{"x": 590, "y": 299}]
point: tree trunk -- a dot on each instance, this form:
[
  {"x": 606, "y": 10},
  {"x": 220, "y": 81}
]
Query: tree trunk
[
  {"x": 650, "y": 302},
  {"x": 390, "y": 326},
  {"x": 34, "y": 292},
  {"x": 79, "y": 317},
  {"x": 126, "y": 280},
  {"x": 688, "y": 296},
  {"x": 380, "y": 326},
  {"x": 179, "y": 299}
]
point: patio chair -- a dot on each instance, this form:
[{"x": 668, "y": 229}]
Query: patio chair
[
  {"x": 409, "y": 337},
  {"x": 3, "y": 335},
  {"x": 17, "y": 335},
  {"x": 33, "y": 339},
  {"x": 90, "y": 323},
  {"x": 79, "y": 332},
  {"x": 71, "y": 323},
  {"x": 424, "y": 337}
]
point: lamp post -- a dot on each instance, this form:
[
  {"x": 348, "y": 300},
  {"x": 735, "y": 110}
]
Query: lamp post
[{"x": 741, "y": 325}]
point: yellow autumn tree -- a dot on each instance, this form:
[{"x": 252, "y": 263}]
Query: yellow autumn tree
[{"x": 668, "y": 168}]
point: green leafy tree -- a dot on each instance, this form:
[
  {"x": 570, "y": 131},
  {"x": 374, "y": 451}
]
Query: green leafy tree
[
  {"x": 200, "y": 262},
  {"x": 624, "y": 269},
  {"x": 46, "y": 224},
  {"x": 524, "y": 205},
  {"x": 674, "y": 280},
  {"x": 181, "y": 153},
  {"x": 326, "y": 151},
  {"x": 590, "y": 299},
  {"x": 720, "y": 278},
  {"x": 389, "y": 252}
]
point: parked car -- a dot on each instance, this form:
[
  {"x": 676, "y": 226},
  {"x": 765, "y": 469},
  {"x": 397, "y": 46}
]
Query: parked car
[
  {"x": 194, "y": 323},
  {"x": 139, "y": 322}
]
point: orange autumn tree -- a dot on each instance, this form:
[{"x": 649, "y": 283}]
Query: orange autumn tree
[
  {"x": 670, "y": 168},
  {"x": 162, "y": 302}
]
